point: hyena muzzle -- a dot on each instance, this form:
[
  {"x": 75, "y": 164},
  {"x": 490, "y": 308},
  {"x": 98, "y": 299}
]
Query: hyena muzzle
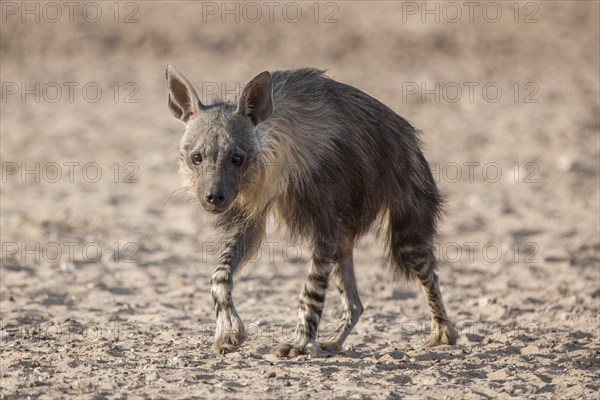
[{"x": 327, "y": 160}]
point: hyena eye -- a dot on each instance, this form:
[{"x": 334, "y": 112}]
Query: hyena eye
[
  {"x": 237, "y": 160},
  {"x": 196, "y": 158}
]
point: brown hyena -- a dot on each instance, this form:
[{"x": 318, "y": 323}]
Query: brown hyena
[{"x": 327, "y": 160}]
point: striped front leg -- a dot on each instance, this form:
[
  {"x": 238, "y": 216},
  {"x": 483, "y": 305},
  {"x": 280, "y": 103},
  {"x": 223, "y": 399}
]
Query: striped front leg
[
  {"x": 312, "y": 301},
  {"x": 230, "y": 331}
]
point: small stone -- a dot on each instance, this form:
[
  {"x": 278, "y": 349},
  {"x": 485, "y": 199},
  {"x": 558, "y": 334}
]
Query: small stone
[
  {"x": 430, "y": 381},
  {"x": 498, "y": 375},
  {"x": 271, "y": 375},
  {"x": 153, "y": 376},
  {"x": 66, "y": 266},
  {"x": 564, "y": 163}
]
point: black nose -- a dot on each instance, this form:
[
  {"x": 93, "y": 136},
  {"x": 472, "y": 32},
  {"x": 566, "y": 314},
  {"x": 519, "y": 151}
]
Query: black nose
[{"x": 214, "y": 198}]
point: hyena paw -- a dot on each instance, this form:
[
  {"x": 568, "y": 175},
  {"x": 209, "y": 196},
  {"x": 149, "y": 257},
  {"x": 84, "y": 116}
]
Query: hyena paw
[
  {"x": 330, "y": 347},
  {"x": 223, "y": 348},
  {"x": 442, "y": 333},
  {"x": 229, "y": 335},
  {"x": 291, "y": 350}
]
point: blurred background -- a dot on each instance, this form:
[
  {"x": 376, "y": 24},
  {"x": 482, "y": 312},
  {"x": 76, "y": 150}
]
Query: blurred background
[{"x": 506, "y": 95}]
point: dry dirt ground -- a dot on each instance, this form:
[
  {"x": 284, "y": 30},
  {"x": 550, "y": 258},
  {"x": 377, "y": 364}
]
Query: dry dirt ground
[{"x": 105, "y": 265}]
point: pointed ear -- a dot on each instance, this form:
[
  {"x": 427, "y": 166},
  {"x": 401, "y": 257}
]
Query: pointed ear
[
  {"x": 183, "y": 100},
  {"x": 256, "y": 101}
]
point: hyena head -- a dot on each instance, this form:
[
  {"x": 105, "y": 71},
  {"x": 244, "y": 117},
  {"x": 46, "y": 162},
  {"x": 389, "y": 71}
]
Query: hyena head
[{"x": 219, "y": 148}]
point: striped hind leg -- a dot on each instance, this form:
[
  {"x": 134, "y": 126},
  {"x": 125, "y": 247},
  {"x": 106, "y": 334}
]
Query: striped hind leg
[
  {"x": 411, "y": 247},
  {"x": 342, "y": 274},
  {"x": 422, "y": 264},
  {"x": 312, "y": 301}
]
